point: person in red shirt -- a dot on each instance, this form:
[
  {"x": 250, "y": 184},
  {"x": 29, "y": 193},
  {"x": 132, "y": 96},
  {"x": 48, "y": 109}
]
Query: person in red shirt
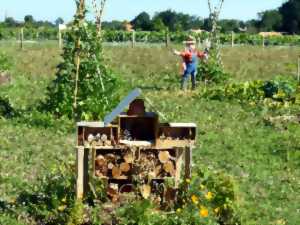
[{"x": 190, "y": 62}]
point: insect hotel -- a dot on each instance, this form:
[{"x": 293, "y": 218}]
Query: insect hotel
[{"x": 133, "y": 152}]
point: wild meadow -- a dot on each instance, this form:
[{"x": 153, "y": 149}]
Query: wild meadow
[{"x": 261, "y": 158}]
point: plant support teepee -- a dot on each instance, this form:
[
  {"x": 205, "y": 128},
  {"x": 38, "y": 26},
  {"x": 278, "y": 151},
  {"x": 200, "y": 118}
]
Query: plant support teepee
[{"x": 84, "y": 88}]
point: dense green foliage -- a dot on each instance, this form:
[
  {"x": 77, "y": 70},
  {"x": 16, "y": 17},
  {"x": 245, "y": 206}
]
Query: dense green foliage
[
  {"x": 280, "y": 91},
  {"x": 211, "y": 71},
  {"x": 6, "y": 109},
  {"x": 152, "y": 37},
  {"x": 97, "y": 86},
  {"x": 5, "y": 62}
]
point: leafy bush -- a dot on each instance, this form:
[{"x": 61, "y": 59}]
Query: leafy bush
[
  {"x": 5, "y": 62},
  {"x": 212, "y": 71},
  {"x": 210, "y": 199},
  {"x": 274, "y": 93},
  {"x": 97, "y": 85},
  {"x": 48, "y": 201},
  {"x": 6, "y": 109}
]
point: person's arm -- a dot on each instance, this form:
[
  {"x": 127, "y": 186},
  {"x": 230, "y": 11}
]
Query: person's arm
[
  {"x": 202, "y": 55},
  {"x": 177, "y": 53}
]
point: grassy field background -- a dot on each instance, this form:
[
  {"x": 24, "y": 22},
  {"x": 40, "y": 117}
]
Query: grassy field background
[{"x": 264, "y": 160}]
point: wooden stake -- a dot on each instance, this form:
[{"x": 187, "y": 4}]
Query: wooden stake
[
  {"x": 167, "y": 39},
  {"x": 232, "y": 39},
  {"x": 133, "y": 39},
  {"x": 76, "y": 80},
  {"x": 298, "y": 75},
  {"x": 263, "y": 42},
  {"x": 21, "y": 37},
  {"x": 59, "y": 39}
]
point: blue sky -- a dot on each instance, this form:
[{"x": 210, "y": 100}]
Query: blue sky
[{"x": 127, "y": 9}]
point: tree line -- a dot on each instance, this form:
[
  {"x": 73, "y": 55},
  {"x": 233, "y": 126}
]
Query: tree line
[{"x": 285, "y": 19}]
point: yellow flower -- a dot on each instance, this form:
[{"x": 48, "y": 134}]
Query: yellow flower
[
  {"x": 178, "y": 210},
  {"x": 202, "y": 187},
  {"x": 217, "y": 210},
  {"x": 209, "y": 195},
  {"x": 280, "y": 222},
  {"x": 62, "y": 208},
  {"x": 203, "y": 212},
  {"x": 188, "y": 181},
  {"x": 195, "y": 199}
]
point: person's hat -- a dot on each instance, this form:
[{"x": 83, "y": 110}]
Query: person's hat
[{"x": 190, "y": 40}]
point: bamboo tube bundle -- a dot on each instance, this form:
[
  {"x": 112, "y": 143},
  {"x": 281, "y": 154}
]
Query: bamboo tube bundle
[{"x": 98, "y": 140}]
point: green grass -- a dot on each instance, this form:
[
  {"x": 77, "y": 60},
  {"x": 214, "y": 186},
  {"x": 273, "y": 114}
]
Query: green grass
[{"x": 264, "y": 160}]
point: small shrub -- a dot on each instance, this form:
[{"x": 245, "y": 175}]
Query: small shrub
[
  {"x": 212, "y": 71},
  {"x": 6, "y": 109},
  {"x": 273, "y": 93},
  {"x": 97, "y": 85},
  {"x": 51, "y": 199},
  {"x": 5, "y": 62}
]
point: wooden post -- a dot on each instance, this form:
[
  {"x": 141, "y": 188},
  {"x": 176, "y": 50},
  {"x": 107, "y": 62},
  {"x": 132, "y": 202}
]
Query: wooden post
[
  {"x": 232, "y": 39},
  {"x": 167, "y": 39},
  {"x": 298, "y": 73},
  {"x": 179, "y": 161},
  {"x": 21, "y": 37},
  {"x": 59, "y": 39},
  {"x": 82, "y": 159},
  {"x": 263, "y": 41},
  {"x": 133, "y": 39},
  {"x": 188, "y": 162},
  {"x": 199, "y": 42}
]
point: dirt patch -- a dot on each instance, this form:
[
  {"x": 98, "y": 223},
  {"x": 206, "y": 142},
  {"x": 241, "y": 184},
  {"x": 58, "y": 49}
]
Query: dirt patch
[{"x": 5, "y": 78}]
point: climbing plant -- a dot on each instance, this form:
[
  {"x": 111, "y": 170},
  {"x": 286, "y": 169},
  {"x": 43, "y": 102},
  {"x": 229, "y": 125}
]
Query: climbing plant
[
  {"x": 212, "y": 70},
  {"x": 84, "y": 87},
  {"x": 214, "y": 13}
]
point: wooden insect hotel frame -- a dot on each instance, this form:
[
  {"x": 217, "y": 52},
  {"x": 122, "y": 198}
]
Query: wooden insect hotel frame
[{"x": 133, "y": 152}]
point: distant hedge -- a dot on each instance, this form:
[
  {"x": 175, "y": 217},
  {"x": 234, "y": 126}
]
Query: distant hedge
[{"x": 151, "y": 37}]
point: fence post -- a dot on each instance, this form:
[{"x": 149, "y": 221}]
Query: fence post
[
  {"x": 199, "y": 42},
  {"x": 232, "y": 39},
  {"x": 59, "y": 39},
  {"x": 167, "y": 39},
  {"x": 133, "y": 39},
  {"x": 298, "y": 73},
  {"x": 263, "y": 41},
  {"x": 21, "y": 37}
]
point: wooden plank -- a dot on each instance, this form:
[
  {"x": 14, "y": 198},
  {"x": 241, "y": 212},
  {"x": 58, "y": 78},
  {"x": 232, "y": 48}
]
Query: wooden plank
[
  {"x": 188, "y": 162},
  {"x": 90, "y": 124},
  {"x": 82, "y": 172},
  {"x": 179, "y": 161},
  {"x": 183, "y": 125}
]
